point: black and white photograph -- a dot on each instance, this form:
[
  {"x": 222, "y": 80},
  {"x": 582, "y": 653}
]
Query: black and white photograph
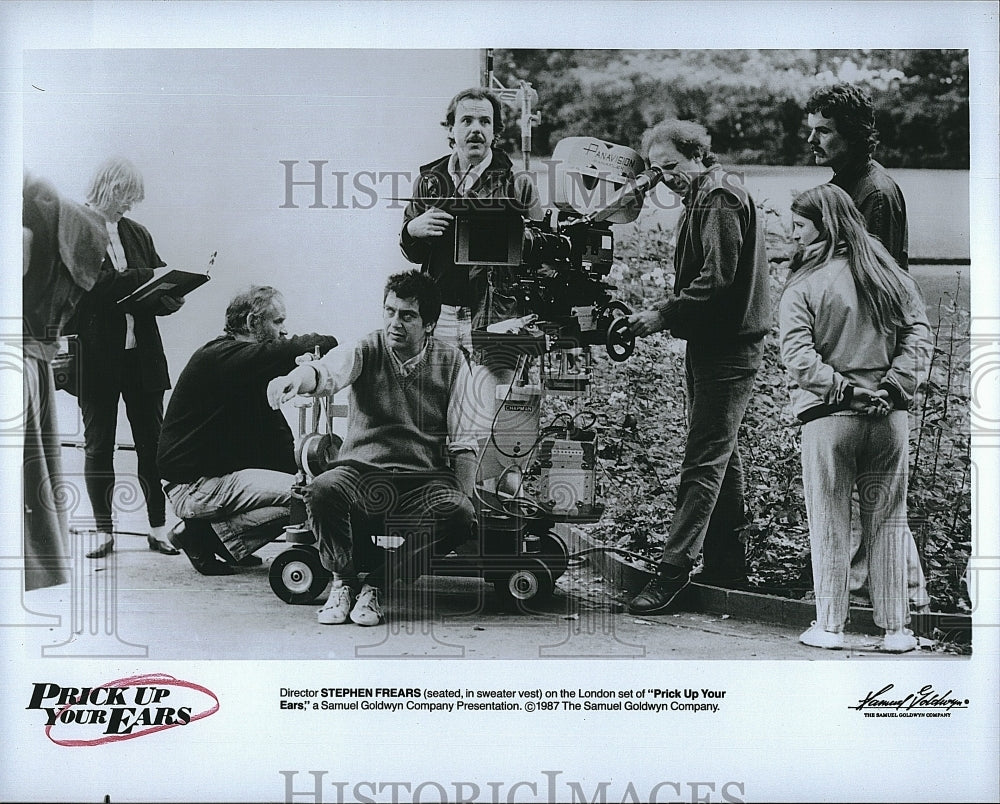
[{"x": 460, "y": 401}]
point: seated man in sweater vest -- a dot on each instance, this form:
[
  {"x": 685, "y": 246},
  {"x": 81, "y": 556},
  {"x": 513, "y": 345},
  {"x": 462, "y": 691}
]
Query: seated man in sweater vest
[
  {"x": 408, "y": 457},
  {"x": 226, "y": 458}
]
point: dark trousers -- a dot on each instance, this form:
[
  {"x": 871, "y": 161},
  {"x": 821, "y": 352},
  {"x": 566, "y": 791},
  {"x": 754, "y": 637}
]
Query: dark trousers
[
  {"x": 99, "y": 406},
  {"x": 710, "y": 506},
  {"x": 348, "y": 505}
]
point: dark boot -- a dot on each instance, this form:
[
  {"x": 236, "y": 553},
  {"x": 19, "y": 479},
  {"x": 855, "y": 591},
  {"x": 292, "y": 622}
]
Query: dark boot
[
  {"x": 198, "y": 541},
  {"x": 661, "y": 594}
]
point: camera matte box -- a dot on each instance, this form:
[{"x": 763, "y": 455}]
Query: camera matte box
[{"x": 489, "y": 237}]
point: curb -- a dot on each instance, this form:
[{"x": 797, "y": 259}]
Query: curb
[{"x": 745, "y": 605}]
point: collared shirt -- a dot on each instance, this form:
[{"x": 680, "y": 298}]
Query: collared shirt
[
  {"x": 116, "y": 251},
  {"x": 339, "y": 369},
  {"x": 464, "y": 182},
  {"x": 406, "y": 366}
]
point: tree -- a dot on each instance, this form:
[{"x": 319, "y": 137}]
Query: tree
[{"x": 752, "y": 101}]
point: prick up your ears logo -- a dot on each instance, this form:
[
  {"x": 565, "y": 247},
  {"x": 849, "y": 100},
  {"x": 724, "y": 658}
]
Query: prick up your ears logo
[{"x": 119, "y": 710}]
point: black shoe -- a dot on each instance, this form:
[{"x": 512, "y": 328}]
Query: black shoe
[
  {"x": 218, "y": 546},
  {"x": 160, "y": 547},
  {"x": 661, "y": 593},
  {"x": 105, "y": 549},
  {"x": 212, "y": 566},
  {"x": 196, "y": 538}
]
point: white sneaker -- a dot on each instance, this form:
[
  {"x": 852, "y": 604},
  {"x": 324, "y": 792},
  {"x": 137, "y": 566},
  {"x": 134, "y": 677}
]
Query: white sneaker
[
  {"x": 899, "y": 641},
  {"x": 337, "y": 607},
  {"x": 817, "y": 637},
  {"x": 367, "y": 611}
]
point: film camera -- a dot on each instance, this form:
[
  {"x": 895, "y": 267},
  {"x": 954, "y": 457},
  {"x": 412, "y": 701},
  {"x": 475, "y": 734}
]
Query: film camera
[
  {"x": 562, "y": 262},
  {"x": 560, "y": 266}
]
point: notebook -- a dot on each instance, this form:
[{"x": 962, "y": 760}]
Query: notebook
[{"x": 172, "y": 283}]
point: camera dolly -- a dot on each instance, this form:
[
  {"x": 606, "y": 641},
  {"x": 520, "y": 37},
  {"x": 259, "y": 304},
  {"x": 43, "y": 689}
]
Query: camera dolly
[{"x": 518, "y": 550}]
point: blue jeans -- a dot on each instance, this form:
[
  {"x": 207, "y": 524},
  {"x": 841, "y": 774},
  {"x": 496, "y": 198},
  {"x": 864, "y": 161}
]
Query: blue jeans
[
  {"x": 247, "y": 509},
  {"x": 710, "y": 508},
  {"x": 427, "y": 508}
]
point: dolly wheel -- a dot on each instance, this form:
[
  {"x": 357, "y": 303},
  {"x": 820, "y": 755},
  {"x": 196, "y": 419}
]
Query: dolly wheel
[
  {"x": 297, "y": 576},
  {"x": 529, "y": 584},
  {"x": 553, "y": 553}
]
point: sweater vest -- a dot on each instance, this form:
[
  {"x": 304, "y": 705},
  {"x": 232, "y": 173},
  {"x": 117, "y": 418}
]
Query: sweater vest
[{"x": 397, "y": 422}]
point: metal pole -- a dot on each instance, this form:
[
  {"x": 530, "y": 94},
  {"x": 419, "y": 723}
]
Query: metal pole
[{"x": 486, "y": 67}]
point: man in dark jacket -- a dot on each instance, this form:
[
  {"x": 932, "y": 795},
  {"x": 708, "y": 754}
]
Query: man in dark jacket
[
  {"x": 227, "y": 459},
  {"x": 721, "y": 307},
  {"x": 842, "y": 136},
  {"x": 471, "y": 296}
]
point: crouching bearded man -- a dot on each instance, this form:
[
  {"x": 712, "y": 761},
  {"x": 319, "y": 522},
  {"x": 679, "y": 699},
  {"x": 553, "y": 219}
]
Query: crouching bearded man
[{"x": 227, "y": 459}]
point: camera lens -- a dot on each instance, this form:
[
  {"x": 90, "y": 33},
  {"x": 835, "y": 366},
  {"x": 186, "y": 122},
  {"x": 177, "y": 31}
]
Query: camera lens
[{"x": 544, "y": 247}]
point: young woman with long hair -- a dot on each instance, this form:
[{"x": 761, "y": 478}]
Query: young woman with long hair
[{"x": 855, "y": 342}]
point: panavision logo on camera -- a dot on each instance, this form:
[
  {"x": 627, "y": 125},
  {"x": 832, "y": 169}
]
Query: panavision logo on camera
[{"x": 119, "y": 710}]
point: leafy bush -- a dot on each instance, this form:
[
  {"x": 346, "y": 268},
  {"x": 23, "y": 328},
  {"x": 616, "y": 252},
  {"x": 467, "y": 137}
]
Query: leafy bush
[{"x": 940, "y": 505}]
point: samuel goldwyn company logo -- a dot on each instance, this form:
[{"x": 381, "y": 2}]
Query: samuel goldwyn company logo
[{"x": 924, "y": 702}]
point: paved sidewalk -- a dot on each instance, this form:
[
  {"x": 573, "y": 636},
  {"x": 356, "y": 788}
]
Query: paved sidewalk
[{"x": 144, "y": 604}]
